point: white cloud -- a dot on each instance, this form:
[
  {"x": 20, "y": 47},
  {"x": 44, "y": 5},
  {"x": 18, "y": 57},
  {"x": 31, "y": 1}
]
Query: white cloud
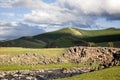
[
  {"x": 66, "y": 11},
  {"x": 31, "y": 4},
  {"x": 112, "y": 6},
  {"x": 75, "y": 12},
  {"x": 5, "y": 3},
  {"x": 93, "y": 6},
  {"x": 10, "y": 30},
  {"x": 49, "y": 17}
]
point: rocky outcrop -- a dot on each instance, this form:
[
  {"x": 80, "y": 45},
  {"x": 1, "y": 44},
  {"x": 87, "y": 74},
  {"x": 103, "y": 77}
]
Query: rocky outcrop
[
  {"x": 42, "y": 74},
  {"x": 28, "y": 59},
  {"x": 102, "y": 57},
  {"x": 105, "y": 57},
  {"x": 88, "y": 55}
]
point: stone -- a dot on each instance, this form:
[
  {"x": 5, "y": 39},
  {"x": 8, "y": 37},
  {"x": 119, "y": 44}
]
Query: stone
[
  {"x": 29, "y": 78},
  {"x": 1, "y": 76},
  {"x": 40, "y": 78},
  {"x": 8, "y": 76},
  {"x": 15, "y": 75}
]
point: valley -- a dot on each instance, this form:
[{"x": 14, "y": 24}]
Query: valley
[
  {"x": 55, "y": 63},
  {"x": 59, "y": 39},
  {"x": 65, "y": 54}
]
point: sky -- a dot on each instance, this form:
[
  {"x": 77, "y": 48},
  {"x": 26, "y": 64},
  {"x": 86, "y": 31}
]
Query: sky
[{"x": 30, "y": 17}]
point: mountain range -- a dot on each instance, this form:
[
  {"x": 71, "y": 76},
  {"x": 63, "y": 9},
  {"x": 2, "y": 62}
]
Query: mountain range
[{"x": 68, "y": 37}]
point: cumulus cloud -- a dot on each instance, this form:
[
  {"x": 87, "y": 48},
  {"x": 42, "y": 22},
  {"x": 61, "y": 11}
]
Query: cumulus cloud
[
  {"x": 68, "y": 11},
  {"x": 61, "y": 13},
  {"x": 75, "y": 12},
  {"x": 49, "y": 17},
  {"x": 33, "y": 4},
  {"x": 5, "y": 3},
  {"x": 10, "y": 30}
]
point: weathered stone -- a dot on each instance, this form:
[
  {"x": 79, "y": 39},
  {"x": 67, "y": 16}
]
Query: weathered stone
[
  {"x": 29, "y": 78},
  {"x": 102, "y": 55},
  {"x": 40, "y": 78}
]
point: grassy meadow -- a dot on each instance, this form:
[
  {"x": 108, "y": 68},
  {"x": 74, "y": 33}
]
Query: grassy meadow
[
  {"x": 36, "y": 67},
  {"x": 105, "y": 74},
  {"x": 44, "y": 51},
  {"x": 48, "y": 52}
]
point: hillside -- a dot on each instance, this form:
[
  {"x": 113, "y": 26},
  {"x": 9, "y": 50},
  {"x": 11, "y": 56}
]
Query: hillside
[
  {"x": 68, "y": 37},
  {"x": 105, "y": 74}
]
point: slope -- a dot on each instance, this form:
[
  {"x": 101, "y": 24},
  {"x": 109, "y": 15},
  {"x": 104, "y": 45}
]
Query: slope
[
  {"x": 68, "y": 37},
  {"x": 105, "y": 74}
]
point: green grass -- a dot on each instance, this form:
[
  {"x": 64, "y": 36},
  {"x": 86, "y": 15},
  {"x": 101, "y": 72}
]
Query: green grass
[
  {"x": 45, "y": 51},
  {"x": 106, "y": 44},
  {"x": 105, "y": 74},
  {"x": 71, "y": 31},
  {"x": 94, "y": 33},
  {"x": 48, "y": 66},
  {"x": 66, "y": 41},
  {"x": 35, "y": 67},
  {"x": 100, "y": 36}
]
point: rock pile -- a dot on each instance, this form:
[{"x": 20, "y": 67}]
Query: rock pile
[
  {"x": 28, "y": 59},
  {"x": 105, "y": 57},
  {"x": 42, "y": 74}
]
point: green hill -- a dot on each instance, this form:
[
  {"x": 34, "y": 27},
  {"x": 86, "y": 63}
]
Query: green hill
[{"x": 68, "y": 37}]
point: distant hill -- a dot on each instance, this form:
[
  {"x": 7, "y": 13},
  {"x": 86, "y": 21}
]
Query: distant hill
[{"x": 68, "y": 37}]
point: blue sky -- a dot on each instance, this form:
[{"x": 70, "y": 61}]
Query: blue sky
[
  {"x": 49, "y": 1},
  {"x": 16, "y": 13},
  {"x": 30, "y": 17}
]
